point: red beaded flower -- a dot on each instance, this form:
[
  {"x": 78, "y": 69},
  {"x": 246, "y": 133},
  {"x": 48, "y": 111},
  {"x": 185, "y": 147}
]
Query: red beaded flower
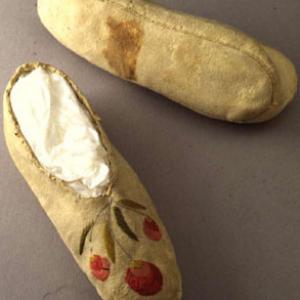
[
  {"x": 151, "y": 229},
  {"x": 144, "y": 278},
  {"x": 100, "y": 267}
]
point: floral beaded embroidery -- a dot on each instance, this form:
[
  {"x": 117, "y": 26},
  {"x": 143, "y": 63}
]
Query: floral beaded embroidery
[
  {"x": 141, "y": 276},
  {"x": 100, "y": 267}
]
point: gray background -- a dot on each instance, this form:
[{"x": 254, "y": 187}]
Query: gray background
[{"x": 228, "y": 194}]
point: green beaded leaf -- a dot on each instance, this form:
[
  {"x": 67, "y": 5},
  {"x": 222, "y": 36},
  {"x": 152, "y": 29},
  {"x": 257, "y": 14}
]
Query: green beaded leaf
[
  {"x": 131, "y": 204},
  {"x": 109, "y": 243},
  {"x": 123, "y": 224},
  {"x": 84, "y": 234}
]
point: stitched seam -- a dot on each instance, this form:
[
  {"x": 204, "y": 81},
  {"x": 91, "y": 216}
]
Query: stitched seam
[{"x": 181, "y": 30}]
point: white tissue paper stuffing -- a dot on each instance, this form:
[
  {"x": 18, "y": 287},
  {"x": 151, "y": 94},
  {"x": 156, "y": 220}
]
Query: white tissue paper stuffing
[{"x": 59, "y": 131}]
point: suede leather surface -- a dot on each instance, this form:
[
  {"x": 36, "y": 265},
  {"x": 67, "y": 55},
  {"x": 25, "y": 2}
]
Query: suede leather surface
[
  {"x": 70, "y": 213},
  {"x": 209, "y": 67}
]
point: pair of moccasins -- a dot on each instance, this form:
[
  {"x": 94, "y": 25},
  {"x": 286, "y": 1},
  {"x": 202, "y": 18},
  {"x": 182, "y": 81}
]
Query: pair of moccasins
[{"x": 116, "y": 236}]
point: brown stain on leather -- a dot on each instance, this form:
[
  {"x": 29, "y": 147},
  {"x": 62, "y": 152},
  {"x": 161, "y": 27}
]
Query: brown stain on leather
[{"x": 123, "y": 47}]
